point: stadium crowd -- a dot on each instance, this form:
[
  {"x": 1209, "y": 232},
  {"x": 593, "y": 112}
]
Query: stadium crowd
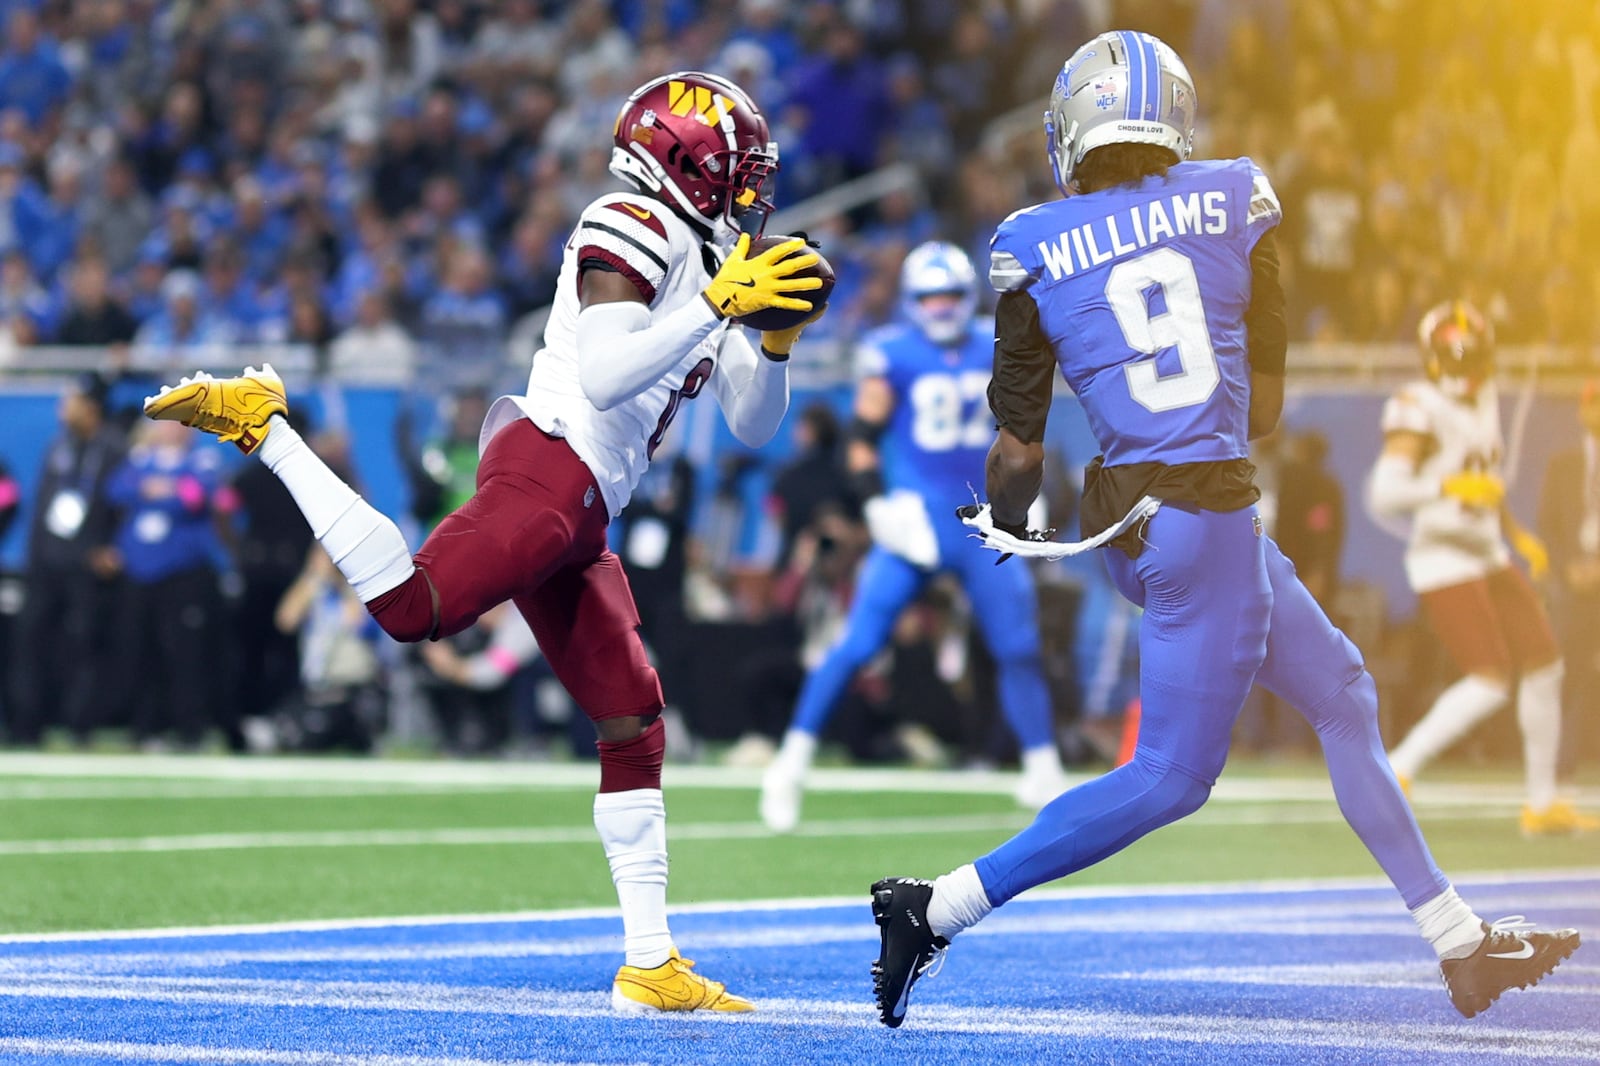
[{"x": 389, "y": 183}]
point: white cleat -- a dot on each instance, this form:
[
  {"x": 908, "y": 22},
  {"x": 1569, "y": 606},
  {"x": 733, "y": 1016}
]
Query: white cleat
[
  {"x": 781, "y": 789},
  {"x": 1038, "y": 788}
]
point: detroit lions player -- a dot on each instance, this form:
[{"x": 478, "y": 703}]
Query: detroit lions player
[
  {"x": 921, "y": 431},
  {"x": 1154, "y": 286}
]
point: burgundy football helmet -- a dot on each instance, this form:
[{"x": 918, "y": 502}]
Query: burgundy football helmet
[
  {"x": 699, "y": 144},
  {"x": 1457, "y": 346}
]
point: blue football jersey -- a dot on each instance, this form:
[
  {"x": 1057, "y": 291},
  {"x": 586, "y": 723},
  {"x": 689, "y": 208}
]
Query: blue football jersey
[
  {"x": 941, "y": 429},
  {"x": 1141, "y": 293}
]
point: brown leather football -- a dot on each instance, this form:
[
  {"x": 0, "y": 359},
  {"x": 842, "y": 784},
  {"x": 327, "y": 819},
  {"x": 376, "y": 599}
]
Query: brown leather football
[{"x": 776, "y": 318}]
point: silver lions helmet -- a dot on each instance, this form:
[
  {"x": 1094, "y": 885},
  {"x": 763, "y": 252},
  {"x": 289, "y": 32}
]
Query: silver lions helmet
[
  {"x": 939, "y": 291},
  {"x": 1123, "y": 87}
]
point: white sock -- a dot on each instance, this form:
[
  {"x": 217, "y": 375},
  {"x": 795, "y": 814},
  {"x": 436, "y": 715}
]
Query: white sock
[
  {"x": 1458, "y": 708},
  {"x": 959, "y": 902},
  {"x": 633, "y": 828},
  {"x": 1043, "y": 761},
  {"x": 1449, "y": 925},
  {"x": 368, "y": 549},
  {"x": 796, "y": 753},
  {"x": 1539, "y": 716}
]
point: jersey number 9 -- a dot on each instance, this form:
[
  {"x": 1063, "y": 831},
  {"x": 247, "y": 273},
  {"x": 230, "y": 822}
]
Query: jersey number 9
[{"x": 1181, "y": 326}]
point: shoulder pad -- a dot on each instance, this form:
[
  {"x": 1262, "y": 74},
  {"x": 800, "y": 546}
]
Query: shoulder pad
[
  {"x": 1408, "y": 411},
  {"x": 1265, "y": 211},
  {"x": 628, "y": 234}
]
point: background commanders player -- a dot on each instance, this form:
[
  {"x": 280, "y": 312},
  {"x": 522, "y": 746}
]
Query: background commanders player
[
  {"x": 638, "y": 328},
  {"x": 1440, "y": 467}
]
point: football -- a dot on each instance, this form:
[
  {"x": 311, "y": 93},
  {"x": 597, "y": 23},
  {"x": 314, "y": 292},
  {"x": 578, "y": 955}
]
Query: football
[{"x": 776, "y": 318}]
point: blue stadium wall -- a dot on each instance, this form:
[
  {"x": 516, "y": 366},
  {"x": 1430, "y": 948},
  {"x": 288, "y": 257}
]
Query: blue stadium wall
[{"x": 1349, "y": 420}]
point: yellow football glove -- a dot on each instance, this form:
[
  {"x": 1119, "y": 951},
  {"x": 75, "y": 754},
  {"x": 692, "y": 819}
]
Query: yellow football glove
[
  {"x": 1475, "y": 489},
  {"x": 780, "y": 342},
  {"x": 1532, "y": 550},
  {"x": 744, "y": 286}
]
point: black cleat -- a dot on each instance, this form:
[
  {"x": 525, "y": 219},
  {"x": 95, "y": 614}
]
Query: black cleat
[
  {"x": 1511, "y": 956},
  {"x": 909, "y": 950}
]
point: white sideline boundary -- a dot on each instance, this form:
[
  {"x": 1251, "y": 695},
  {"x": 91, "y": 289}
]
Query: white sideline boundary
[
  {"x": 1476, "y": 879},
  {"x": 440, "y": 773},
  {"x": 127, "y": 1051}
]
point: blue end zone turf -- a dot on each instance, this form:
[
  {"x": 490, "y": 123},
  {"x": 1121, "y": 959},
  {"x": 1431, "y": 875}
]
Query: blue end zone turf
[{"x": 1315, "y": 975}]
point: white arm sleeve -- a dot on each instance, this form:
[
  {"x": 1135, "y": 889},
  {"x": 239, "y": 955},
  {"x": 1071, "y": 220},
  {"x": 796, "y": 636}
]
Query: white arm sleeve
[
  {"x": 752, "y": 390},
  {"x": 623, "y": 350},
  {"x": 1396, "y": 488}
]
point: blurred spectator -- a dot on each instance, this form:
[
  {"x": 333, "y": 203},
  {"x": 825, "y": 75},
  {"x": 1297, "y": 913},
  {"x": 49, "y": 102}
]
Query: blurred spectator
[
  {"x": 184, "y": 330},
  {"x": 269, "y": 550},
  {"x": 1324, "y": 235},
  {"x": 444, "y": 473},
  {"x": 1310, "y": 515},
  {"x": 118, "y": 217},
  {"x": 1569, "y": 521},
  {"x": 59, "y": 659},
  {"x": 261, "y": 234},
  {"x": 27, "y": 313},
  {"x": 92, "y": 315},
  {"x": 49, "y": 228},
  {"x": 169, "y": 611},
  {"x": 844, "y": 98},
  {"x": 813, "y": 480},
  {"x": 32, "y": 76},
  {"x": 339, "y": 704},
  {"x": 464, "y": 324},
  {"x": 531, "y": 265},
  {"x": 10, "y": 504},
  {"x": 469, "y": 678},
  {"x": 375, "y": 350}
]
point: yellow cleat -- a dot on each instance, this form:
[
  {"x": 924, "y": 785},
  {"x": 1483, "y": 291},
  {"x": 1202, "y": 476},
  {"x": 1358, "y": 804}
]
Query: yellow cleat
[
  {"x": 1405, "y": 785},
  {"x": 1559, "y": 819},
  {"x": 234, "y": 409},
  {"x": 672, "y": 986}
]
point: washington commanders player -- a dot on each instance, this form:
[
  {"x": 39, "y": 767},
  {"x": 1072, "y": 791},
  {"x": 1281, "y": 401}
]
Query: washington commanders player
[
  {"x": 1440, "y": 468},
  {"x": 649, "y": 281}
]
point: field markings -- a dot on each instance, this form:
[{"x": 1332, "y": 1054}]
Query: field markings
[
  {"x": 520, "y": 775},
  {"x": 1498, "y": 887},
  {"x": 127, "y": 1051},
  {"x": 500, "y": 836},
  {"x": 829, "y": 1015}
]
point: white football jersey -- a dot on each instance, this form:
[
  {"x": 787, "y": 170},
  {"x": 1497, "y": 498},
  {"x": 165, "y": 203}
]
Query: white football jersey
[
  {"x": 658, "y": 251},
  {"x": 1451, "y": 542}
]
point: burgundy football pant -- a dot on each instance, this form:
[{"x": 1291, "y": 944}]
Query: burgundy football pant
[{"x": 535, "y": 533}]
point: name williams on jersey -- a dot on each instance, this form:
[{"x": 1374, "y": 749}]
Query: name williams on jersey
[{"x": 1101, "y": 240}]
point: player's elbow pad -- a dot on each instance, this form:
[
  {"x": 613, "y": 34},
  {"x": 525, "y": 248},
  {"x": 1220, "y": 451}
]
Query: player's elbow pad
[{"x": 1395, "y": 488}]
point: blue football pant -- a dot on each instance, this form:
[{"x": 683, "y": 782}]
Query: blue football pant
[
  {"x": 1003, "y": 606},
  {"x": 1222, "y": 606}
]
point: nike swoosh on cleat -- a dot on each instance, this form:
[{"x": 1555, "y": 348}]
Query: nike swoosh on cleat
[
  {"x": 899, "y": 1010},
  {"x": 1525, "y": 953}
]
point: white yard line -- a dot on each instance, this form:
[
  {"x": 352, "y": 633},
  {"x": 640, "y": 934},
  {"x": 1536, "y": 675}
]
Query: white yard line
[
  {"x": 539, "y": 775},
  {"x": 1448, "y": 1039},
  {"x": 476, "y": 836},
  {"x": 1480, "y": 883},
  {"x": 88, "y": 789}
]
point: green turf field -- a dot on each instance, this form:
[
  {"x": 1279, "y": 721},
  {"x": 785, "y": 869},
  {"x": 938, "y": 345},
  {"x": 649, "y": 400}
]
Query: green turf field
[{"x": 176, "y": 842}]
